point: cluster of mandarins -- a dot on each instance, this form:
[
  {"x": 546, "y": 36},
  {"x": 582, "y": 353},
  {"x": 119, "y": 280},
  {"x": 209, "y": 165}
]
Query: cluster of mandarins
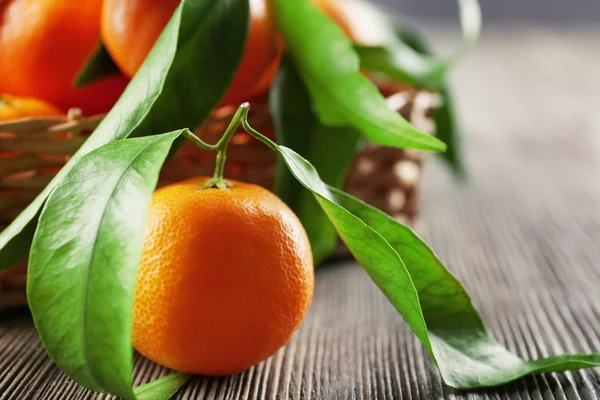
[{"x": 44, "y": 43}]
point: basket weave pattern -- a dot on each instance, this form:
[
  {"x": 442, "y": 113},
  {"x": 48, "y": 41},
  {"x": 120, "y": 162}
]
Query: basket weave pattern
[{"x": 32, "y": 151}]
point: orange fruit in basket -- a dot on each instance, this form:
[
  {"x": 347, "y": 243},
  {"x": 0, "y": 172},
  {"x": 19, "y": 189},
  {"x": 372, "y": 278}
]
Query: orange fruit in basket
[
  {"x": 225, "y": 279},
  {"x": 130, "y": 29},
  {"x": 44, "y": 43},
  {"x": 12, "y": 107}
]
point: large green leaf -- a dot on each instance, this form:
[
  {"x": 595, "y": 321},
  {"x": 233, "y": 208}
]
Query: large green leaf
[
  {"x": 177, "y": 86},
  {"x": 430, "y": 299},
  {"x": 84, "y": 259},
  {"x": 329, "y": 149},
  {"x": 329, "y": 67}
]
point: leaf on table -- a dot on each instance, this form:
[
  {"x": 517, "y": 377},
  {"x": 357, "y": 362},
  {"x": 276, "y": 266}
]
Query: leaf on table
[
  {"x": 329, "y": 149},
  {"x": 98, "y": 65},
  {"x": 84, "y": 259},
  {"x": 430, "y": 299},
  {"x": 163, "y": 388},
  {"x": 176, "y": 87},
  {"x": 342, "y": 96},
  {"x": 467, "y": 355}
]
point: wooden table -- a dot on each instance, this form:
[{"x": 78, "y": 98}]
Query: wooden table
[{"x": 523, "y": 234}]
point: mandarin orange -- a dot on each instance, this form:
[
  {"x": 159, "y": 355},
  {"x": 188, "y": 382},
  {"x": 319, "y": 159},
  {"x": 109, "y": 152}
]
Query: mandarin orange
[
  {"x": 44, "y": 43},
  {"x": 225, "y": 279},
  {"x": 12, "y": 107},
  {"x": 131, "y": 27}
]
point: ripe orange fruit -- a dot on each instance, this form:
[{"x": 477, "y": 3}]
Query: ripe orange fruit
[
  {"x": 44, "y": 43},
  {"x": 130, "y": 29},
  {"x": 225, "y": 279},
  {"x": 12, "y": 107}
]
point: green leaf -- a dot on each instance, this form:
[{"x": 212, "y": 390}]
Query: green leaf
[
  {"x": 341, "y": 95},
  {"x": 329, "y": 149},
  {"x": 294, "y": 123},
  {"x": 176, "y": 87},
  {"x": 98, "y": 65},
  {"x": 163, "y": 388},
  {"x": 401, "y": 63},
  {"x": 447, "y": 130},
  {"x": 84, "y": 258},
  {"x": 431, "y": 300}
]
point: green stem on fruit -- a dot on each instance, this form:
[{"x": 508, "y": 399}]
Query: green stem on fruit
[
  {"x": 257, "y": 135},
  {"x": 239, "y": 118},
  {"x": 217, "y": 181},
  {"x": 201, "y": 143}
]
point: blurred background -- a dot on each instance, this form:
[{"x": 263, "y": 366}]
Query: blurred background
[
  {"x": 528, "y": 93},
  {"x": 522, "y": 11}
]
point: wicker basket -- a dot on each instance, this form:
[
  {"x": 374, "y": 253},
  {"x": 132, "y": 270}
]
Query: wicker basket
[{"x": 32, "y": 151}]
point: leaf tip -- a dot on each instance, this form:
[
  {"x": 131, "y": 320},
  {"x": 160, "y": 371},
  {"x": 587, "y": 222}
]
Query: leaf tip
[{"x": 435, "y": 145}]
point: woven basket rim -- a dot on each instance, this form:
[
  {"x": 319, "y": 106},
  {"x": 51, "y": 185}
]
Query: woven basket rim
[
  {"x": 75, "y": 120},
  {"x": 398, "y": 198}
]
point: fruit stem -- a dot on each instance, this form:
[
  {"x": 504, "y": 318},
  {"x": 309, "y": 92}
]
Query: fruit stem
[
  {"x": 240, "y": 117},
  {"x": 257, "y": 135},
  {"x": 201, "y": 143},
  {"x": 217, "y": 181}
]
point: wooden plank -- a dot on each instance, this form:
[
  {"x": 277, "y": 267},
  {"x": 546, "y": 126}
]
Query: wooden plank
[{"x": 522, "y": 234}]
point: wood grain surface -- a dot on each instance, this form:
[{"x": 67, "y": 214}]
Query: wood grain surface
[{"x": 522, "y": 233}]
